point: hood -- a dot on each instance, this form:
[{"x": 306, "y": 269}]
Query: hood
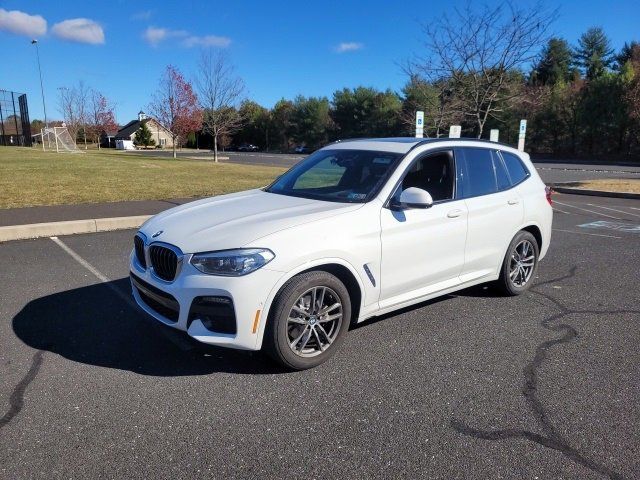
[{"x": 234, "y": 220}]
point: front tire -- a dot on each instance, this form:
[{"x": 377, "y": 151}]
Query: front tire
[
  {"x": 519, "y": 265},
  {"x": 308, "y": 320}
]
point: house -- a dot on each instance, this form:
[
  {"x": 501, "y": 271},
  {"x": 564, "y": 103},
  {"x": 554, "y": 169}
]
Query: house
[{"x": 161, "y": 135}]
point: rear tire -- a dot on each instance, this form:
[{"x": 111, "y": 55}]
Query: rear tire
[
  {"x": 308, "y": 320},
  {"x": 519, "y": 265}
]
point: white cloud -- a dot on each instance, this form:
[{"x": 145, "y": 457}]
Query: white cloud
[
  {"x": 156, "y": 35},
  {"x": 153, "y": 36},
  {"x": 144, "y": 15},
  {"x": 82, "y": 30},
  {"x": 21, "y": 23},
  {"x": 349, "y": 47},
  {"x": 206, "y": 41}
]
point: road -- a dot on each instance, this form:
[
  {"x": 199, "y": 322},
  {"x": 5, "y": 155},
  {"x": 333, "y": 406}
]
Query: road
[
  {"x": 545, "y": 385},
  {"x": 550, "y": 171}
]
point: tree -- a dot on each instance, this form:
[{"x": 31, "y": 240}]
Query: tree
[
  {"x": 72, "y": 104},
  {"x": 436, "y": 99},
  {"x": 554, "y": 64},
  {"x": 175, "y": 106},
  {"x": 101, "y": 116},
  {"x": 36, "y": 126},
  {"x": 312, "y": 121},
  {"x": 478, "y": 51},
  {"x": 366, "y": 112},
  {"x": 221, "y": 91},
  {"x": 282, "y": 121},
  {"x": 256, "y": 124},
  {"x": 628, "y": 52},
  {"x": 594, "y": 53},
  {"x": 143, "y": 136}
]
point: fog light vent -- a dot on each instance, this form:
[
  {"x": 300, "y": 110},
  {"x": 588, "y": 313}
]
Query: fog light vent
[{"x": 216, "y": 314}]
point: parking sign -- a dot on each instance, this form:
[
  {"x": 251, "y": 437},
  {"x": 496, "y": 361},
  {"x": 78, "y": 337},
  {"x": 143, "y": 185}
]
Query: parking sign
[{"x": 419, "y": 124}]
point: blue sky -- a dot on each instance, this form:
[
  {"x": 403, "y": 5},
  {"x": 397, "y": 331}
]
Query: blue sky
[{"x": 280, "y": 48}]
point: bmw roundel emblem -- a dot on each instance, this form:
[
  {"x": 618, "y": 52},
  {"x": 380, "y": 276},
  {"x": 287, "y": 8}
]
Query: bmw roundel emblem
[{"x": 157, "y": 234}]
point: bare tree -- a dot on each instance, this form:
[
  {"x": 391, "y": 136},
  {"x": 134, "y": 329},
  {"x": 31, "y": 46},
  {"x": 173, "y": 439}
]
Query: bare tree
[
  {"x": 220, "y": 92},
  {"x": 175, "y": 106},
  {"x": 480, "y": 52},
  {"x": 73, "y": 105}
]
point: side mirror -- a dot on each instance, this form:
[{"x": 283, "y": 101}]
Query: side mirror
[{"x": 414, "y": 197}]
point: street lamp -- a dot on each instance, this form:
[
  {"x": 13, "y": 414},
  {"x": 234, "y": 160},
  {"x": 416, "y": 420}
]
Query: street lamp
[{"x": 44, "y": 107}]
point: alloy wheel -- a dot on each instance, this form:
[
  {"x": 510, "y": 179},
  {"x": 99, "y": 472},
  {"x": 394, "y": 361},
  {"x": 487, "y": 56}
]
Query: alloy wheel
[
  {"x": 522, "y": 263},
  {"x": 314, "y": 321}
]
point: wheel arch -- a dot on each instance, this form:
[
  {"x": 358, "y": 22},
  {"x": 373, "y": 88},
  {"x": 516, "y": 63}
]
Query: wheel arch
[
  {"x": 536, "y": 232},
  {"x": 342, "y": 269}
]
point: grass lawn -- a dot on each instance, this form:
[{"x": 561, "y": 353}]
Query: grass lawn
[
  {"x": 626, "y": 185},
  {"x": 30, "y": 177}
]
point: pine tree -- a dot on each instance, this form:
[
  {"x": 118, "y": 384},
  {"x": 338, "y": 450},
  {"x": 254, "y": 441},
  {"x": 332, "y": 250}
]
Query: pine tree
[
  {"x": 143, "y": 136},
  {"x": 594, "y": 53},
  {"x": 554, "y": 64}
]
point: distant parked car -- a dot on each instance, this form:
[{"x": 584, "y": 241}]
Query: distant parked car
[
  {"x": 248, "y": 147},
  {"x": 301, "y": 149},
  {"x": 358, "y": 229}
]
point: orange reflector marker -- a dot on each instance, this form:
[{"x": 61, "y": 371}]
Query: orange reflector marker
[{"x": 255, "y": 321}]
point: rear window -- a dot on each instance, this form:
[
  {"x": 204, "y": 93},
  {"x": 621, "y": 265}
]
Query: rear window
[
  {"x": 501, "y": 173},
  {"x": 517, "y": 171},
  {"x": 480, "y": 177}
]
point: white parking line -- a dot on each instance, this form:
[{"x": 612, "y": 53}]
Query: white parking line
[
  {"x": 587, "y": 210},
  {"x": 585, "y": 233},
  {"x": 556, "y": 209},
  {"x": 80, "y": 260},
  {"x": 614, "y": 210}
]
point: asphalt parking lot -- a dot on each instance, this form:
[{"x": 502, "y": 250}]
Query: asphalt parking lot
[{"x": 546, "y": 385}]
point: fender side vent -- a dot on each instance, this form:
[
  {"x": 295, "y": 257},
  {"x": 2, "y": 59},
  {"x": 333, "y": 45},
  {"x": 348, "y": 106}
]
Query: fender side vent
[{"x": 369, "y": 274}]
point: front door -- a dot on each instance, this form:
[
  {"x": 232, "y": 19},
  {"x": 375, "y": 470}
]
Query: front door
[{"x": 423, "y": 249}]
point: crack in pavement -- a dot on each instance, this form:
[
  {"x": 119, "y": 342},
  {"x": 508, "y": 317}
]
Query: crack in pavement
[
  {"x": 16, "y": 401},
  {"x": 551, "y": 438}
]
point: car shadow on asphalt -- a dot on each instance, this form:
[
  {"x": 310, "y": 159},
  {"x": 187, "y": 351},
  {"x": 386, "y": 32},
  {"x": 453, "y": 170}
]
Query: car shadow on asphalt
[{"x": 94, "y": 326}]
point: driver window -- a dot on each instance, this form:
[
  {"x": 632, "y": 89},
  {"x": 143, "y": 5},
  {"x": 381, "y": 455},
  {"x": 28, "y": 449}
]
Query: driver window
[{"x": 434, "y": 173}]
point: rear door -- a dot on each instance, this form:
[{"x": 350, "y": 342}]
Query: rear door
[{"x": 495, "y": 210}]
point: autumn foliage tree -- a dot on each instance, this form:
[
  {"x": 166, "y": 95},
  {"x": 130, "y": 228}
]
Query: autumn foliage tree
[
  {"x": 101, "y": 116},
  {"x": 175, "y": 106}
]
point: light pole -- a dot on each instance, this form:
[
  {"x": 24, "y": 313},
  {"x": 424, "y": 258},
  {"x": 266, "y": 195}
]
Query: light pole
[{"x": 44, "y": 106}]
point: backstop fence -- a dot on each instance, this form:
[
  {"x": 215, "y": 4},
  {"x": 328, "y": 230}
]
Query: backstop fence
[{"x": 15, "y": 127}]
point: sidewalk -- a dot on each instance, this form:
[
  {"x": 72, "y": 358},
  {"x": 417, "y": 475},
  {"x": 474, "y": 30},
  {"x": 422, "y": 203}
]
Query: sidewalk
[
  {"x": 49, "y": 221},
  {"x": 83, "y": 211}
]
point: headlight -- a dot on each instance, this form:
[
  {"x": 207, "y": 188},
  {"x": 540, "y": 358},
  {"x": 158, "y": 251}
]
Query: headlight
[{"x": 232, "y": 263}]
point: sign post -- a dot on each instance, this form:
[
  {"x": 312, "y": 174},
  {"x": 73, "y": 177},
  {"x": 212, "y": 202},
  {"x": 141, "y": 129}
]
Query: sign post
[
  {"x": 454, "y": 131},
  {"x": 521, "y": 134},
  {"x": 419, "y": 124},
  {"x": 494, "y": 135}
]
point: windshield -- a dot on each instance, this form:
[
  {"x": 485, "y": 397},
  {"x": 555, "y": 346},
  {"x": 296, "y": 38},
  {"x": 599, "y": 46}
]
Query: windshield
[{"x": 353, "y": 176}]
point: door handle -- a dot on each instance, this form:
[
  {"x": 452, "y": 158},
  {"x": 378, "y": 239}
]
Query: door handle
[
  {"x": 454, "y": 213},
  {"x": 513, "y": 201}
]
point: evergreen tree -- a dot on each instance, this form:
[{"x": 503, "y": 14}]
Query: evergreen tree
[
  {"x": 629, "y": 52},
  {"x": 143, "y": 136},
  {"x": 554, "y": 64},
  {"x": 594, "y": 53}
]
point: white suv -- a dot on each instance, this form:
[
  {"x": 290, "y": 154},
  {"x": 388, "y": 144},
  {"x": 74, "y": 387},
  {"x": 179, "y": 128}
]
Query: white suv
[{"x": 357, "y": 229}]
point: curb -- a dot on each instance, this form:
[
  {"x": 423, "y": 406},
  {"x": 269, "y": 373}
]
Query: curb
[
  {"x": 594, "y": 193},
  {"x": 53, "y": 229}
]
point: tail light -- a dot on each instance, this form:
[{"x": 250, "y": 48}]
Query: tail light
[{"x": 548, "y": 191}]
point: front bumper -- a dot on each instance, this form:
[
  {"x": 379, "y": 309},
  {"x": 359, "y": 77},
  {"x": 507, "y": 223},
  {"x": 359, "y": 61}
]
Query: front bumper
[{"x": 170, "y": 302}]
